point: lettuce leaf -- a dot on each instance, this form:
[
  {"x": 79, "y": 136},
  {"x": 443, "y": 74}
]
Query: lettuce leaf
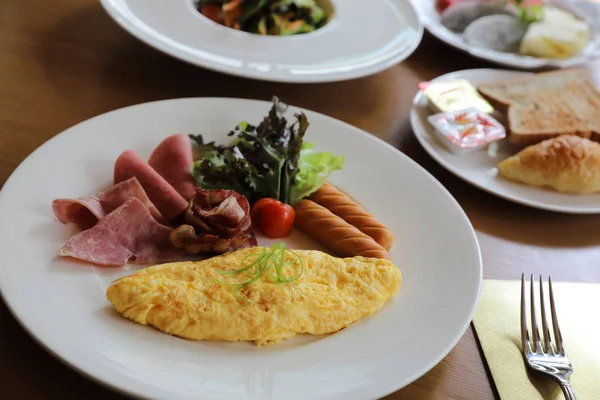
[
  {"x": 261, "y": 162},
  {"x": 313, "y": 170}
]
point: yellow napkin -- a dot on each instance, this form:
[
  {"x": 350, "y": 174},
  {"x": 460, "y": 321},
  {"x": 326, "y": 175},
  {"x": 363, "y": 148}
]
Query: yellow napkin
[{"x": 498, "y": 329}]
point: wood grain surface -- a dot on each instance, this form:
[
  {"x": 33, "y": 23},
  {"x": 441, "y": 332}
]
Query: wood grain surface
[{"x": 62, "y": 62}]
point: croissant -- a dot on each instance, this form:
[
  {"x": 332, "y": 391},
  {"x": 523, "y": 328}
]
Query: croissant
[{"x": 568, "y": 164}]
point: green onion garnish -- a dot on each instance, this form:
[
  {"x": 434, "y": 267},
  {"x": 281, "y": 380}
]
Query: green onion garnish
[{"x": 271, "y": 261}]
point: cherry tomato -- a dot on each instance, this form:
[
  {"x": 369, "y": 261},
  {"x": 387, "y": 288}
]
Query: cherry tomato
[
  {"x": 254, "y": 213},
  {"x": 276, "y": 219}
]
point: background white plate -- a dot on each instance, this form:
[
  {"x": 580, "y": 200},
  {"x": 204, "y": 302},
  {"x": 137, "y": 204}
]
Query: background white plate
[
  {"x": 62, "y": 302},
  {"x": 589, "y": 12},
  {"x": 360, "y": 40},
  {"x": 480, "y": 168}
]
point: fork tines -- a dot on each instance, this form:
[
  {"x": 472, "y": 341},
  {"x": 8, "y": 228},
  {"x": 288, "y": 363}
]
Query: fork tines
[{"x": 535, "y": 344}]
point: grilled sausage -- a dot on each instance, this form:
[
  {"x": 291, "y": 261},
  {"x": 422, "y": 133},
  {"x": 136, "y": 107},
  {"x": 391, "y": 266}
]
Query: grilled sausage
[
  {"x": 335, "y": 233},
  {"x": 353, "y": 213}
]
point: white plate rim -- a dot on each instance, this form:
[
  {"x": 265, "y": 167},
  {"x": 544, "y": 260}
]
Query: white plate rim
[
  {"x": 76, "y": 365},
  {"x": 355, "y": 73},
  {"x": 434, "y": 153}
]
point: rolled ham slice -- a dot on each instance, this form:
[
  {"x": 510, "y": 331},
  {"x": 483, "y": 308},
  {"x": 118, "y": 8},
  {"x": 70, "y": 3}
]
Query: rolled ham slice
[
  {"x": 172, "y": 159},
  {"x": 88, "y": 210},
  {"x": 168, "y": 201},
  {"x": 129, "y": 234}
]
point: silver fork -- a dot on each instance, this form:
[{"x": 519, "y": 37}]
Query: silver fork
[{"x": 550, "y": 359}]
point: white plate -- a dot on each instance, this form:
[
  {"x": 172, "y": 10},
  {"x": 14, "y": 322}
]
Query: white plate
[
  {"x": 359, "y": 40},
  {"x": 480, "y": 168},
  {"x": 430, "y": 17},
  {"x": 63, "y": 305}
]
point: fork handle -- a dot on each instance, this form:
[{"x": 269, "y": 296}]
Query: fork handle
[{"x": 568, "y": 391}]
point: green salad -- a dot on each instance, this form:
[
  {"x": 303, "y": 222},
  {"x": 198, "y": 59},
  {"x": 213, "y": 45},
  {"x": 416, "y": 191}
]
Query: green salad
[
  {"x": 265, "y": 17},
  {"x": 268, "y": 160}
]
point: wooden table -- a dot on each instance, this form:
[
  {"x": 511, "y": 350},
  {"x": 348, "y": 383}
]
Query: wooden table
[{"x": 62, "y": 62}]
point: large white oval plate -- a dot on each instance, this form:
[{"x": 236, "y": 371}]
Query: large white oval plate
[
  {"x": 359, "y": 40},
  {"x": 480, "y": 168},
  {"x": 63, "y": 305},
  {"x": 589, "y": 12}
]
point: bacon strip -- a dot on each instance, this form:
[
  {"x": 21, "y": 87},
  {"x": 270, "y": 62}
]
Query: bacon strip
[
  {"x": 224, "y": 212},
  {"x": 185, "y": 238},
  {"x": 218, "y": 221}
]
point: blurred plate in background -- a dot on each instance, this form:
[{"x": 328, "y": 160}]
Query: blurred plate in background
[
  {"x": 361, "y": 38},
  {"x": 586, "y": 10}
]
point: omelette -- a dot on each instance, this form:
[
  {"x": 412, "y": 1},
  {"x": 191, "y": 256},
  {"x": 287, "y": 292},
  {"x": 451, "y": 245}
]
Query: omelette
[{"x": 200, "y": 300}]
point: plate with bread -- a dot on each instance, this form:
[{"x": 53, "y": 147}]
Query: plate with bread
[
  {"x": 523, "y": 34},
  {"x": 530, "y": 138}
]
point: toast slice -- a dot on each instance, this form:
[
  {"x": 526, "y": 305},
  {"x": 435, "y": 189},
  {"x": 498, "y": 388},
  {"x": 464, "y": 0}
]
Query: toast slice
[
  {"x": 574, "y": 109},
  {"x": 525, "y": 90}
]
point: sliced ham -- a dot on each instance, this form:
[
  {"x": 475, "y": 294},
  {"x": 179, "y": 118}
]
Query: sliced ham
[
  {"x": 173, "y": 159},
  {"x": 86, "y": 211},
  {"x": 168, "y": 201},
  {"x": 217, "y": 221},
  {"x": 129, "y": 234}
]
